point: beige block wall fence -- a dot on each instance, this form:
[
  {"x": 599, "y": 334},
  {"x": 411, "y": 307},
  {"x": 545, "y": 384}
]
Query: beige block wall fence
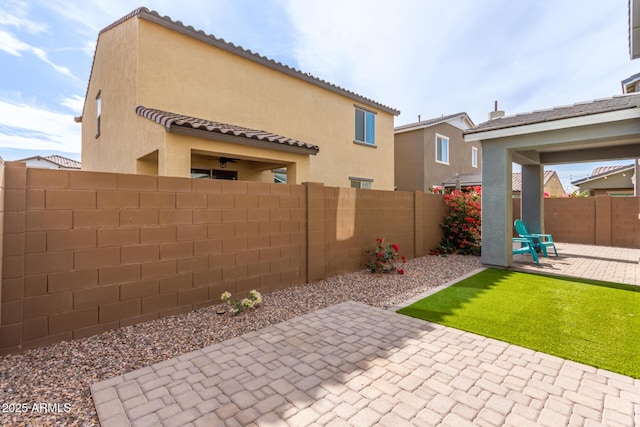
[
  {"x": 600, "y": 220},
  {"x": 86, "y": 252}
]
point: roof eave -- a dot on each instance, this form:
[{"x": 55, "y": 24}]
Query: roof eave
[
  {"x": 251, "y": 142},
  {"x": 603, "y": 175},
  {"x": 427, "y": 123},
  {"x": 631, "y": 112},
  {"x": 255, "y": 57}
]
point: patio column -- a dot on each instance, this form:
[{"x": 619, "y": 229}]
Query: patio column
[
  {"x": 497, "y": 207},
  {"x": 532, "y": 198}
]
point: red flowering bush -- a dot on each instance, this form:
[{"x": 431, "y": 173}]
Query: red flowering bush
[
  {"x": 462, "y": 226},
  {"x": 385, "y": 259}
]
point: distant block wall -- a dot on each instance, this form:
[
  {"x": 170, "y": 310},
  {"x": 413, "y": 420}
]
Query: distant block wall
[
  {"x": 601, "y": 220},
  {"x": 86, "y": 252}
]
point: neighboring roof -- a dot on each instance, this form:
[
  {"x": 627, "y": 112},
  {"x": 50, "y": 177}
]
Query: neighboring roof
[
  {"x": 615, "y": 103},
  {"x": 603, "y": 171},
  {"x": 473, "y": 179},
  {"x": 432, "y": 122},
  {"x": 466, "y": 180},
  {"x": 179, "y": 123},
  {"x": 516, "y": 179},
  {"x": 61, "y": 161},
  {"x": 629, "y": 84},
  {"x": 167, "y": 22}
]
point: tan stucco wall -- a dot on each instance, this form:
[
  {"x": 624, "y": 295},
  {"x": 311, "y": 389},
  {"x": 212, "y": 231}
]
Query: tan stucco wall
[
  {"x": 409, "y": 161},
  {"x": 619, "y": 183},
  {"x": 141, "y": 63},
  {"x": 423, "y": 173},
  {"x": 124, "y": 136},
  {"x": 554, "y": 187}
]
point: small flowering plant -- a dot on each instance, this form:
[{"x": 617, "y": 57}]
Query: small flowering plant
[
  {"x": 385, "y": 259},
  {"x": 254, "y": 300}
]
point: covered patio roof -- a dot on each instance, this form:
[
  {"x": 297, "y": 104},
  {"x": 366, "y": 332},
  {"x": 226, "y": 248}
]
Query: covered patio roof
[{"x": 604, "y": 129}]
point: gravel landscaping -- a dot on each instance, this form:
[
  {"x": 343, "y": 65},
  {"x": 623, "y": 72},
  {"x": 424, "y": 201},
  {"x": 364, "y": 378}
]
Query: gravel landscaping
[{"x": 62, "y": 373}]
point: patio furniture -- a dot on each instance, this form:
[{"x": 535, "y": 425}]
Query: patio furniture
[
  {"x": 540, "y": 241},
  {"x": 526, "y": 247}
]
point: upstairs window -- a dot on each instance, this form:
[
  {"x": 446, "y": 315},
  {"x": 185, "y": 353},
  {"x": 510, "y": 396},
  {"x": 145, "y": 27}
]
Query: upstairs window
[
  {"x": 363, "y": 183},
  {"x": 98, "y": 112},
  {"x": 442, "y": 149},
  {"x": 474, "y": 157},
  {"x": 365, "y": 126}
]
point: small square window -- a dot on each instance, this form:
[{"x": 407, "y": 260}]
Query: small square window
[
  {"x": 442, "y": 149},
  {"x": 362, "y": 183},
  {"x": 365, "y": 126},
  {"x": 474, "y": 157}
]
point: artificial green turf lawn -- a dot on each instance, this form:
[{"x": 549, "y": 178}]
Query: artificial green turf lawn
[{"x": 591, "y": 322}]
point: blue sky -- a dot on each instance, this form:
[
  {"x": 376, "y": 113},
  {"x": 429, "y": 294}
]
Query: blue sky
[{"x": 427, "y": 58}]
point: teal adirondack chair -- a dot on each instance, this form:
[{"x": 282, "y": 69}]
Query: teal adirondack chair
[
  {"x": 541, "y": 241},
  {"x": 526, "y": 247}
]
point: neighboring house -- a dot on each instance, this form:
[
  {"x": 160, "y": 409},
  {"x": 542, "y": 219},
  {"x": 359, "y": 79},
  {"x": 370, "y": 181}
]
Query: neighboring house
[
  {"x": 51, "y": 162},
  {"x": 166, "y": 99},
  {"x": 430, "y": 151},
  {"x": 552, "y": 184},
  {"x": 608, "y": 181},
  {"x": 631, "y": 84}
]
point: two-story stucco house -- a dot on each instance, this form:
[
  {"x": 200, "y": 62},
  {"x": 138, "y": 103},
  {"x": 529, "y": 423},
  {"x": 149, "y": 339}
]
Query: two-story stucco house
[
  {"x": 429, "y": 152},
  {"x": 166, "y": 99}
]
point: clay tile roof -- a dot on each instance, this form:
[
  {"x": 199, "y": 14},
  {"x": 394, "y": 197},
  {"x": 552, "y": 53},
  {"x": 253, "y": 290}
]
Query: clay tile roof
[
  {"x": 64, "y": 162},
  {"x": 58, "y": 160},
  {"x": 188, "y": 30},
  {"x": 616, "y": 103},
  {"x": 171, "y": 120},
  {"x": 516, "y": 179}
]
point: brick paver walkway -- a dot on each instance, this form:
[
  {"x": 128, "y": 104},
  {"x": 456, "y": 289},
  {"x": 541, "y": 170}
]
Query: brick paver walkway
[
  {"x": 621, "y": 265},
  {"x": 352, "y": 364}
]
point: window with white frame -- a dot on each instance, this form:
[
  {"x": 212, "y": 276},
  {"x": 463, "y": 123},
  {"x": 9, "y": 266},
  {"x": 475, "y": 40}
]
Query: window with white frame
[
  {"x": 442, "y": 149},
  {"x": 365, "y": 126},
  {"x": 363, "y": 183},
  {"x": 98, "y": 112},
  {"x": 474, "y": 157}
]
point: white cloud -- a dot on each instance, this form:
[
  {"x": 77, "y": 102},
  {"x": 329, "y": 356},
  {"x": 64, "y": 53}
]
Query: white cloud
[
  {"x": 14, "y": 13},
  {"x": 44, "y": 58},
  {"x": 25, "y": 126},
  {"x": 13, "y": 46},
  {"x": 74, "y": 103}
]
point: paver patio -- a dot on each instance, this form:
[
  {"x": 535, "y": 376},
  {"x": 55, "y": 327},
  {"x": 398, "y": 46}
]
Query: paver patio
[
  {"x": 352, "y": 364},
  {"x": 620, "y": 265}
]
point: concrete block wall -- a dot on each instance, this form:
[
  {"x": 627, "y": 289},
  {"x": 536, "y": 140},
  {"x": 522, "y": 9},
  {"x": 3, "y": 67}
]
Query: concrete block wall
[
  {"x": 600, "y": 220},
  {"x": 625, "y": 220},
  {"x": 86, "y": 252},
  {"x": 571, "y": 220},
  {"x": 355, "y": 218},
  {"x": 433, "y": 212}
]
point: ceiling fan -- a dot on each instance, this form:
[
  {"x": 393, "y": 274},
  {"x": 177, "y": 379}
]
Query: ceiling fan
[{"x": 225, "y": 160}]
